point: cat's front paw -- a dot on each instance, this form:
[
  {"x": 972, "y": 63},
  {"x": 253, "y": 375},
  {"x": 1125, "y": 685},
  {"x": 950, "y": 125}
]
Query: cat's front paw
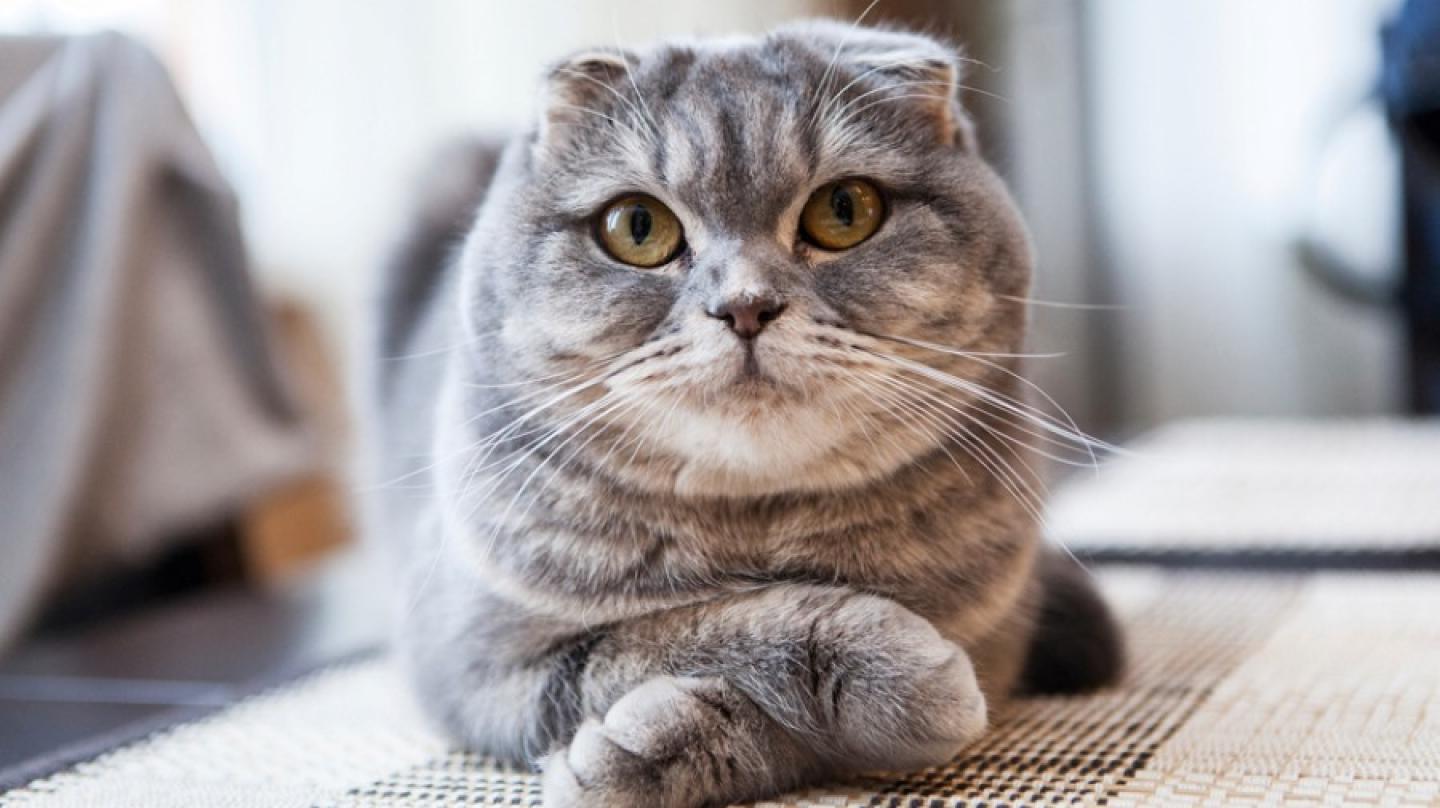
[
  {"x": 899, "y": 694},
  {"x": 670, "y": 743}
]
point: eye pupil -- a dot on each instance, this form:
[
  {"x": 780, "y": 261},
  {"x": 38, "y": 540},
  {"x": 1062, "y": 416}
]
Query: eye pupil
[
  {"x": 640, "y": 231},
  {"x": 842, "y": 214},
  {"x": 843, "y": 205},
  {"x": 640, "y": 224}
]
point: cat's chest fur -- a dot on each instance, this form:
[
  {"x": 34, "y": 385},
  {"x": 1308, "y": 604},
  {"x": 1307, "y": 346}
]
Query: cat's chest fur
[{"x": 927, "y": 537}]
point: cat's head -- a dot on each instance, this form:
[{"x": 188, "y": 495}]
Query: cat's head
[{"x": 742, "y": 247}]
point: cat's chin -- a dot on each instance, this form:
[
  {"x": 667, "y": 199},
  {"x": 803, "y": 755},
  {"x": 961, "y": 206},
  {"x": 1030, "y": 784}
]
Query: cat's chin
[
  {"x": 699, "y": 479},
  {"x": 760, "y": 441}
]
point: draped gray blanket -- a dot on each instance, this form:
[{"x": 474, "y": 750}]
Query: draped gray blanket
[{"x": 137, "y": 393}]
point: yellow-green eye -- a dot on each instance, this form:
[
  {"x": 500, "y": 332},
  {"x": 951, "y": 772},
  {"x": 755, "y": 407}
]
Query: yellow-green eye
[
  {"x": 640, "y": 231},
  {"x": 842, "y": 214}
]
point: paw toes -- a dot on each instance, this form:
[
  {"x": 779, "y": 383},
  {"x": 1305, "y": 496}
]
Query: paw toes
[
  {"x": 645, "y": 720},
  {"x": 626, "y": 759},
  {"x": 590, "y": 754},
  {"x": 593, "y": 772},
  {"x": 558, "y": 785}
]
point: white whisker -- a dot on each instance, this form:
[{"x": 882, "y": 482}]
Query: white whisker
[
  {"x": 974, "y": 417},
  {"x": 464, "y": 343},
  {"x": 983, "y": 359},
  {"x": 1056, "y": 304},
  {"x": 648, "y": 117},
  {"x": 1001, "y": 401},
  {"x": 929, "y": 418},
  {"x": 996, "y": 465},
  {"x": 834, "y": 97},
  {"x": 835, "y": 57},
  {"x": 594, "y": 418}
]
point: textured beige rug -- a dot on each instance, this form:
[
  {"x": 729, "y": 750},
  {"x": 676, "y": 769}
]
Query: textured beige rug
[
  {"x": 1244, "y": 689},
  {"x": 1334, "y": 489}
]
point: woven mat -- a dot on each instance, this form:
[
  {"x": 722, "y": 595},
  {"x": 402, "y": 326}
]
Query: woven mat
[
  {"x": 1261, "y": 486},
  {"x": 1245, "y": 689}
]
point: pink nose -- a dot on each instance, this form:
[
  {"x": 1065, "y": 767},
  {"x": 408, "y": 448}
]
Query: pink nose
[{"x": 749, "y": 316}]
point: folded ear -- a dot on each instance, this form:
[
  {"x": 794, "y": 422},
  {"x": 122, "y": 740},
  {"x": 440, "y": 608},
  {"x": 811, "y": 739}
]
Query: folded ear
[
  {"x": 886, "y": 71},
  {"x": 581, "y": 94},
  {"x": 929, "y": 83}
]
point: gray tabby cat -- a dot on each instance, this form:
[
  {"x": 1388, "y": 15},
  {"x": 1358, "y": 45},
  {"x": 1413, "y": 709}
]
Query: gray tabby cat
[{"x": 702, "y": 462}]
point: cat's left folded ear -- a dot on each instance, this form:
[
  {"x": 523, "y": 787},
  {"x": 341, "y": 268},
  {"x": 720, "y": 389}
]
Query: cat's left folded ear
[{"x": 920, "y": 72}]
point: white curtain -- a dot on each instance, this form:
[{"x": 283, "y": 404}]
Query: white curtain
[{"x": 1211, "y": 121}]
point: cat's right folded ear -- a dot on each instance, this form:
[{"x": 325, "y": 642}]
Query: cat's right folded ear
[{"x": 580, "y": 96}]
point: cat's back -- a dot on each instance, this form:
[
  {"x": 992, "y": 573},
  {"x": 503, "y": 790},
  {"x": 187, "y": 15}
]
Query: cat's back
[
  {"x": 410, "y": 337},
  {"x": 413, "y": 280}
]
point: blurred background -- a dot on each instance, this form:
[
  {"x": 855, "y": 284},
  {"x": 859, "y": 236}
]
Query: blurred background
[{"x": 1230, "y": 200}]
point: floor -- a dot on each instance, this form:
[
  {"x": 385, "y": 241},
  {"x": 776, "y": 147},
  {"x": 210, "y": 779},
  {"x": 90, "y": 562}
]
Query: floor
[{"x": 187, "y": 658}]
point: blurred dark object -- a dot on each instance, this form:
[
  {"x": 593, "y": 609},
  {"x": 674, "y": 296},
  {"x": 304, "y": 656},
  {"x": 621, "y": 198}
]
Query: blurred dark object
[
  {"x": 199, "y": 559},
  {"x": 1410, "y": 84},
  {"x": 140, "y": 399},
  {"x": 1409, "y": 88}
]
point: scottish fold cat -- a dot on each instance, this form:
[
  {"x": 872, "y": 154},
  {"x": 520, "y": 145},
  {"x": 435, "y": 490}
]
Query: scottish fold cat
[{"x": 703, "y": 460}]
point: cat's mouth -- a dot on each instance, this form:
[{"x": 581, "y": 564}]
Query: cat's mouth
[
  {"x": 757, "y": 380},
  {"x": 750, "y": 370},
  {"x": 749, "y": 378}
]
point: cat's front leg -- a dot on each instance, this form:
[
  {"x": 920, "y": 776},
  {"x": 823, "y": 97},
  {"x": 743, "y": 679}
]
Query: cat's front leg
[{"x": 747, "y": 695}]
